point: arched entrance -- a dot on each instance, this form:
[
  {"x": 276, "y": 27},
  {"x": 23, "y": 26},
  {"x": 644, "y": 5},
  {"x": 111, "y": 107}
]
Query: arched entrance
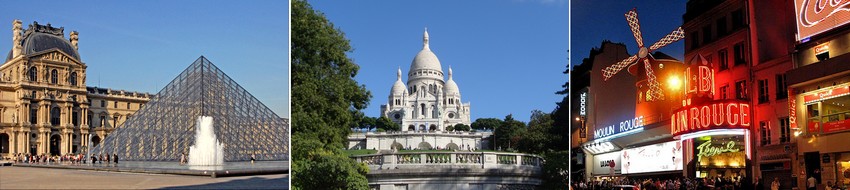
[
  {"x": 95, "y": 141},
  {"x": 433, "y": 127},
  {"x": 411, "y": 128},
  {"x": 55, "y": 140},
  {"x": 4, "y": 143},
  {"x": 452, "y": 146},
  {"x": 422, "y": 127},
  {"x": 425, "y": 146}
]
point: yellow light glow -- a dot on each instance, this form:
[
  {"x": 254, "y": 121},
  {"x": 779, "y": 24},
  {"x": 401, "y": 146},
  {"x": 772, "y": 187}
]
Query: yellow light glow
[
  {"x": 578, "y": 119},
  {"x": 673, "y": 82},
  {"x": 734, "y": 164}
]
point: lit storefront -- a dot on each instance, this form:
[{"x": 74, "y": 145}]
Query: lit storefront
[
  {"x": 819, "y": 92},
  {"x": 655, "y": 159},
  {"x": 715, "y": 134}
]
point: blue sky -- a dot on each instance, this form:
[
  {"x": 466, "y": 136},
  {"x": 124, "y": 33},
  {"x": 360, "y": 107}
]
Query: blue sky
[
  {"x": 594, "y": 21},
  {"x": 142, "y": 45},
  {"x": 507, "y": 56}
]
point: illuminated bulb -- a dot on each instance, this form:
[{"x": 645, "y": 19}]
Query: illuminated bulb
[{"x": 674, "y": 82}]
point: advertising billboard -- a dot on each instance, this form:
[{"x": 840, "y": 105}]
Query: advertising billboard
[
  {"x": 653, "y": 158},
  {"x": 603, "y": 164},
  {"x": 817, "y": 16}
]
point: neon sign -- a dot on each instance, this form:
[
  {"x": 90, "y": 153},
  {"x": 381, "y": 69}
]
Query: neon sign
[
  {"x": 817, "y": 16},
  {"x": 583, "y": 103},
  {"x": 624, "y": 126},
  {"x": 699, "y": 80},
  {"x": 706, "y": 150},
  {"x": 714, "y": 115}
]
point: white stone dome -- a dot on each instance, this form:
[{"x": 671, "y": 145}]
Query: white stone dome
[
  {"x": 425, "y": 59},
  {"x": 451, "y": 88},
  {"x": 398, "y": 87}
]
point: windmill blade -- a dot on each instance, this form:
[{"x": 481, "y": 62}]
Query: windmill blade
[
  {"x": 631, "y": 18},
  {"x": 609, "y": 71},
  {"x": 674, "y": 36},
  {"x": 655, "y": 92}
]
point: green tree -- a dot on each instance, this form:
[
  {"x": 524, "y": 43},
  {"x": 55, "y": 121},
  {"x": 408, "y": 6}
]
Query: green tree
[
  {"x": 486, "y": 123},
  {"x": 325, "y": 98},
  {"x": 450, "y": 128},
  {"x": 561, "y": 115},
  {"x": 368, "y": 123},
  {"x": 387, "y": 124},
  {"x": 538, "y": 139},
  {"x": 555, "y": 170},
  {"x": 509, "y": 133},
  {"x": 461, "y": 127}
]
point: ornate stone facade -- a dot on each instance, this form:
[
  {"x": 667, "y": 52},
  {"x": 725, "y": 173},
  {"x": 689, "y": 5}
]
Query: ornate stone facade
[
  {"x": 45, "y": 105},
  {"x": 427, "y": 103}
]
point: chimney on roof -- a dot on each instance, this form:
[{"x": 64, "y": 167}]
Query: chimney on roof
[{"x": 16, "y": 38}]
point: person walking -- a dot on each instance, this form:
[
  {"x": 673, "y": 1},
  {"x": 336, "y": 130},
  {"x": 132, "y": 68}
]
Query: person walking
[
  {"x": 253, "y": 158},
  {"x": 115, "y": 158},
  {"x": 182, "y": 158},
  {"x": 775, "y": 184},
  {"x": 811, "y": 183}
]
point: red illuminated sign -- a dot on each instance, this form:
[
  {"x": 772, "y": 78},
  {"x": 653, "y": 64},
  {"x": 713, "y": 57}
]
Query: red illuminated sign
[
  {"x": 836, "y": 126},
  {"x": 832, "y": 93},
  {"x": 817, "y": 16},
  {"x": 700, "y": 79},
  {"x": 792, "y": 106},
  {"x": 712, "y": 115}
]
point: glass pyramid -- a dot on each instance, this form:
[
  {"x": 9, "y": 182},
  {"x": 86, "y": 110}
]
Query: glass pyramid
[{"x": 165, "y": 126}]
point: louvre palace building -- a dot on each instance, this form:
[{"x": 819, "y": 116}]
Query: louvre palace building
[{"x": 45, "y": 105}]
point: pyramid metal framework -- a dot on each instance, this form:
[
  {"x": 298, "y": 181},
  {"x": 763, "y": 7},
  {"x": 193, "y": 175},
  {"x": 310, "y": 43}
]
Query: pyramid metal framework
[{"x": 165, "y": 126}]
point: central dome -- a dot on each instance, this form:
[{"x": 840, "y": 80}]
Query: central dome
[
  {"x": 40, "y": 38},
  {"x": 425, "y": 59}
]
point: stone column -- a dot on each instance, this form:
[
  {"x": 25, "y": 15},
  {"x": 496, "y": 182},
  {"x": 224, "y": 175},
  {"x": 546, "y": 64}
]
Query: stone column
[{"x": 27, "y": 141}]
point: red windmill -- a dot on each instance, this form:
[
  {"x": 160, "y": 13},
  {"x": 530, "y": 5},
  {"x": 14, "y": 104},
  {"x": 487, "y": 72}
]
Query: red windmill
[{"x": 644, "y": 55}]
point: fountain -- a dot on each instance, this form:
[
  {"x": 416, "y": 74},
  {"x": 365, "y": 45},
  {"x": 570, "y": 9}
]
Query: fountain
[{"x": 207, "y": 150}]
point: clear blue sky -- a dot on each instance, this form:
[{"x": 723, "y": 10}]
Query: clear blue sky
[
  {"x": 594, "y": 21},
  {"x": 507, "y": 56},
  {"x": 142, "y": 45}
]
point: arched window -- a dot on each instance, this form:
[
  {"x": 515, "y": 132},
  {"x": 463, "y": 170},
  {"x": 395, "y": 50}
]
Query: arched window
[
  {"x": 34, "y": 115},
  {"x": 54, "y": 116},
  {"x": 54, "y": 76},
  {"x": 33, "y": 74},
  {"x": 423, "y": 109},
  {"x": 73, "y": 79},
  {"x": 88, "y": 119}
]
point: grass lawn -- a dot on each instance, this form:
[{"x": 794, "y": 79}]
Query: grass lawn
[{"x": 359, "y": 152}]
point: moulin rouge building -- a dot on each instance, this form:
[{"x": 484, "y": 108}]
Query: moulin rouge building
[{"x": 760, "y": 98}]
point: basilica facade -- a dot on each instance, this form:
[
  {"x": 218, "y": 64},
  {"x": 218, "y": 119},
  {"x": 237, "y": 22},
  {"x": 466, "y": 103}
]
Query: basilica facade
[
  {"x": 426, "y": 102},
  {"x": 45, "y": 105}
]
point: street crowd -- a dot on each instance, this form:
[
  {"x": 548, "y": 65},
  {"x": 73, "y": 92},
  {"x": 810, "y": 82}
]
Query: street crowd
[
  {"x": 64, "y": 159},
  {"x": 715, "y": 183}
]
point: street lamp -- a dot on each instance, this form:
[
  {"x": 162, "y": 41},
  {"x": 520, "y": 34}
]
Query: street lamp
[{"x": 673, "y": 82}]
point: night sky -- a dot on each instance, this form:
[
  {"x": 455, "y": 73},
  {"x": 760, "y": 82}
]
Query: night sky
[{"x": 594, "y": 21}]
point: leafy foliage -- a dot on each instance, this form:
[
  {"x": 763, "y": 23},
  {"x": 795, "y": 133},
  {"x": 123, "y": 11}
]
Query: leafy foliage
[
  {"x": 461, "y": 127},
  {"x": 486, "y": 123},
  {"x": 537, "y": 139},
  {"x": 387, "y": 124},
  {"x": 325, "y": 103},
  {"x": 555, "y": 170},
  {"x": 509, "y": 133}
]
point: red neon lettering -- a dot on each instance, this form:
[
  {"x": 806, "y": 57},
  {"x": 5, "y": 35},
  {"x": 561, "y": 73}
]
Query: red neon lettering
[{"x": 729, "y": 114}]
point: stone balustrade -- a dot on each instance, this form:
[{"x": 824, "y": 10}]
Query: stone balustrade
[{"x": 460, "y": 159}]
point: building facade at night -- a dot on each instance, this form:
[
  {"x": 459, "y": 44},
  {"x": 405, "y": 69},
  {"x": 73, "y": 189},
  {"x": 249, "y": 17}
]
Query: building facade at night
[
  {"x": 819, "y": 99},
  {"x": 761, "y": 99},
  {"x": 46, "y": 106}
]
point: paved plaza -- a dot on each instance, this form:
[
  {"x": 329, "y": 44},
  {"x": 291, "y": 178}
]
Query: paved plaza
[{"x": 42, "y": 178}]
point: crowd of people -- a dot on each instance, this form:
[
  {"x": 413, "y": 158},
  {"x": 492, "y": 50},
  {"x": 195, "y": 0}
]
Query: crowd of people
[
  {"x": 711, "y": 183},
  {"x": 69, "y": 158}
]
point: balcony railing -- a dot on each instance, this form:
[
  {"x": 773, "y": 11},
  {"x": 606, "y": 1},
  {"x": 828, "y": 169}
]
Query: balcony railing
[{"x": 485, "y": 160}]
